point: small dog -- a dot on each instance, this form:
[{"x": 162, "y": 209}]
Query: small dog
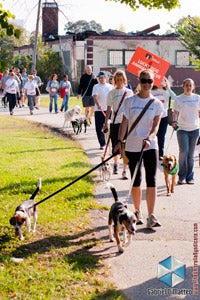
[
  {"x": 78, "y": 123},
  {"x": 105, "y": 171},
  {"x": 123, "y": 220},
  {"x": 70, "y": 114},
  {"x": 170, "y": 168},
  {"x": 23, "y": 214}
]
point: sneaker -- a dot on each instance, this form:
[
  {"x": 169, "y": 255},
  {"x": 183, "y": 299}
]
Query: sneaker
[
  {"x": 190, "y": 181},
  {"x": 139, "y": 220},
  {"x": 115, "y": 169},
  {"x": 152, "y": 222},
  {"x": 124, "y": 176},
  {"x": 101, "y": 147},
  {"x": 181, "y": 181}
]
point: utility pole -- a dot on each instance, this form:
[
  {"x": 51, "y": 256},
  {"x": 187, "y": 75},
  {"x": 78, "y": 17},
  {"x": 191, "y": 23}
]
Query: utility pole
[{"x": 33, "y": 66}]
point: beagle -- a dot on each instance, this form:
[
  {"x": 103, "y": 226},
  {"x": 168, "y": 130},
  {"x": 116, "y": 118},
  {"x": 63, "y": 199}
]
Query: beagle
[{"x": 23, "y": 214}]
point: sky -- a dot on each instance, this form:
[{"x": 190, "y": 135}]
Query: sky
[{"x": 109, "y": 14}]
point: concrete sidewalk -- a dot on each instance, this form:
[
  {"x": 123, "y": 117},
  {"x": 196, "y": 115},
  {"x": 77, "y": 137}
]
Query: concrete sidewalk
[{"x": 135, "y": 271}]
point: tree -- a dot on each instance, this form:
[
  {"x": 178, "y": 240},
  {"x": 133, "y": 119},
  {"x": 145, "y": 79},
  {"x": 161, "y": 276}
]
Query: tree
[
  {"x": 23, "y": 61},
  {"x": 6, "y": 53},
  {"x": 82, "y": 25},
  {"x": 158, "y": 4},
  {"x": 188, "y": 31},
  {"x": 48, "y": 63},
  {"x": 5, "y": 27}
]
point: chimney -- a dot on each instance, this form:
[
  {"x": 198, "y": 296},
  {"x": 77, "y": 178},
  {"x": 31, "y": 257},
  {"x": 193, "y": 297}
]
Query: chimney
[{"x": 49, "y": 21}]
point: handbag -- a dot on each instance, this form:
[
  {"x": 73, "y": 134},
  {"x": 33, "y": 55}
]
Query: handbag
[
  {"x": 124, "y": 157},
  {"x": 63, "y": 92},
  {"x": 170, "y": 113}
]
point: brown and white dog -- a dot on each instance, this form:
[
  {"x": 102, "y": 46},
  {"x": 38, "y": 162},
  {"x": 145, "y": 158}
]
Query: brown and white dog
[
  {"x": 70, "y": 114},
  {"x": 124, "y": 220},
  {"x": 105, "y": 171},
  {"x": 23, "y": 214},
  {"x": 170, "y": 168}
]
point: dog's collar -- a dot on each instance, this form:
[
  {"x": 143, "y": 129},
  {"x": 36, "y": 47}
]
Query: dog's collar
[{"x": 173, "y": 171}]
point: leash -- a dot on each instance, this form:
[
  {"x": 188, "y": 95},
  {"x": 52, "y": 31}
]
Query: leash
[
  {"x": 74, "y": 181},
  {"x": 135, "y": 174},
  {"x": 170, "y": 140}
]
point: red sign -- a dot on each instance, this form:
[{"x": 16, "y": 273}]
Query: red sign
[{"x": 144, "y": 59}]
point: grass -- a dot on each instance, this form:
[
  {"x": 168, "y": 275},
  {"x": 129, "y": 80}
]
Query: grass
[
  {"x": 57, "y": 263},
  {"x": 44, "y": 101}
]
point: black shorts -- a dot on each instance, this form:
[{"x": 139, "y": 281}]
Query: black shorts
[
  {"x": 149, "y": 158},
  {"x": 37, "y": 92},
  {"x": 88, "y": 101}
]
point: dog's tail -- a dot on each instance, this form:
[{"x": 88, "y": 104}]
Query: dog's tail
[
  {"x": 113, "y": 190},
  {"x": 37, "y": 189}
]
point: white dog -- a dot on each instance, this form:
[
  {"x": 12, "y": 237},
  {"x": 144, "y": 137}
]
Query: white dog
[{"x": 70, "y": 114}]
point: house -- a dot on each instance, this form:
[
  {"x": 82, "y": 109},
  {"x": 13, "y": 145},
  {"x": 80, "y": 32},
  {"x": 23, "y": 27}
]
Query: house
[{"x": 112, "y": 50}]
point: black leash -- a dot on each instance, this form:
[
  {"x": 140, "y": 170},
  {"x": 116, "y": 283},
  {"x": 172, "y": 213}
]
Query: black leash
[{"x": 74, "y": 181}]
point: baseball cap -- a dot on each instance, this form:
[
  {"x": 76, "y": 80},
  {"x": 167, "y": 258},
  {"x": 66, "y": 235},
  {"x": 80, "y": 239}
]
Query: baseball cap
[{"x": 101, "y": 73}]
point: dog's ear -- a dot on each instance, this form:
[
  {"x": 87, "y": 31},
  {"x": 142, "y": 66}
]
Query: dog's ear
[
  {"x": 12, "y": 221},
  {"x": 122, "y": 218},
  {"x": 174, "y": 158}
]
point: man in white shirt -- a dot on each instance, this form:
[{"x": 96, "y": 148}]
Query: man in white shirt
[{"x": 99, "y": 93}]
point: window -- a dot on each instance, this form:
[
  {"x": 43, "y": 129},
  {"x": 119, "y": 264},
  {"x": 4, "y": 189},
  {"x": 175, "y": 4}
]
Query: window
[
  {"x": 119, "y": 57},
  {"x": 183, "y": 58}
]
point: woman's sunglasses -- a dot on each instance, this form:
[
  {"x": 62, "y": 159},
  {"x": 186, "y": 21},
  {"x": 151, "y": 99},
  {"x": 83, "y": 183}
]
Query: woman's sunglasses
[{"x": 144, "y": 80}]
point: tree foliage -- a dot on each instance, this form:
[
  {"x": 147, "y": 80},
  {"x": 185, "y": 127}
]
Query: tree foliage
[
  {"x": 48, "y": 63},
  {"x": 157, "y": 4},
  {"x": 6, "y": 53},
  {"x": 82, "y": 25},
  {"x": 188, "y": 30},
  {"x": 5, "y": 27}
]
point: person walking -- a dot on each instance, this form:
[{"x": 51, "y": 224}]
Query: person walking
[
  {"x": 30, "y": 88},
  {"x": 87, "y": 81},
  {"x": 186, "y": 117},
  {"x": 39, "y": 83},
  {"x": 53, "y": 88},
  {"x": 24, "y": 80},
  {"x": 115, "y": 100},
  {"x": 143, "y": 135},
  {"x": 100, "y": 92},
  {"x": 4, "y": 78},
  {"x": 65, "y": 90},
  {"x": 11, "y": 90}
]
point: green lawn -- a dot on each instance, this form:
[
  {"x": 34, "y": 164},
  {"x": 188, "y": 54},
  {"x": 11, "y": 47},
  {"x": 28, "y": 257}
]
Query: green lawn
[{"x": 56, "y": 261}]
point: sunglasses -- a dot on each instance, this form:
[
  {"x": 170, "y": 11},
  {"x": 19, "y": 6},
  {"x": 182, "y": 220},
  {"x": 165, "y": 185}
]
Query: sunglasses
[{"x": 144, "y": 80}]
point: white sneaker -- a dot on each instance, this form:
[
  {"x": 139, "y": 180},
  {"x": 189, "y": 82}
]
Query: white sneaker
[
  {"x": 139, "y": 220},
  {"x": 152, "y": 222}
]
